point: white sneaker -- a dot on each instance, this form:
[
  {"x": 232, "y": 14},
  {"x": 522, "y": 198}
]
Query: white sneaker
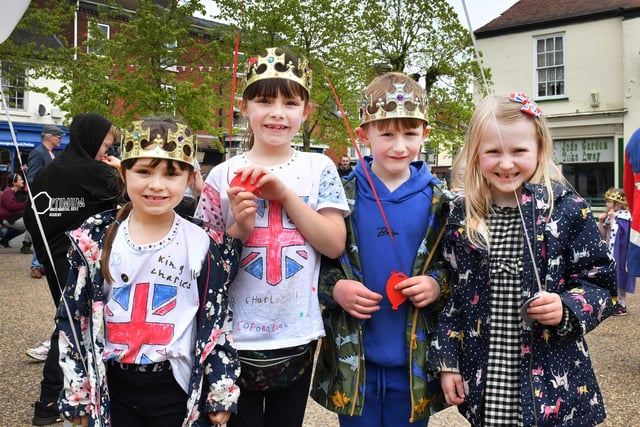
[{"x": 40, "y": 353}]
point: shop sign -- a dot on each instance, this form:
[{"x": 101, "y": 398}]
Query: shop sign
[{"x": 590, "y": 150}]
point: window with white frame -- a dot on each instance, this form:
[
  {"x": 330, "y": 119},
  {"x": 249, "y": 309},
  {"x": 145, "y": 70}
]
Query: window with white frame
[
  {"x": 169, "y": 62},
  {"x": 105, "y": 35},
  {"x": 14, "y": 79},
  {"x": 364, "y": 151},
  {"x": 550, "y": 65}
]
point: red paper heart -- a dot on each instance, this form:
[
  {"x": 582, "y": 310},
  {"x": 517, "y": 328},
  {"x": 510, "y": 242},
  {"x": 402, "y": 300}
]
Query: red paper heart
[
  {"x": 246, "y": 184},
  {"x": 394, "y": 295}
]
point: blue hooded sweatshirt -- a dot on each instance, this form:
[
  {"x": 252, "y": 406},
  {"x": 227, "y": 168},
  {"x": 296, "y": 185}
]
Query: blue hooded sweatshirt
[{"x": 384, "y": 340}]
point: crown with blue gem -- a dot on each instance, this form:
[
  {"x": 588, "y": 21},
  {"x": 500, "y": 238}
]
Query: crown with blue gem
[
  {"x": 274, "y": 66},
  {"x": 180, "y": 145},
  {"x": 396, "y": 104}
]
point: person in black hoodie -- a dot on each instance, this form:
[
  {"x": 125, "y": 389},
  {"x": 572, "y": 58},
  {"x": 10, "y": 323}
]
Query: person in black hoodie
[{"x": 78, "y": 183}]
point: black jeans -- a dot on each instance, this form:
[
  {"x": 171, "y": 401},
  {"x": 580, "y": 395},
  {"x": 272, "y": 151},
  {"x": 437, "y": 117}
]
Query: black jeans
[
  {"x": 278, "y": 408},
  {"x": 52, "y": 378},
  {"x": 140, "y": 399}
]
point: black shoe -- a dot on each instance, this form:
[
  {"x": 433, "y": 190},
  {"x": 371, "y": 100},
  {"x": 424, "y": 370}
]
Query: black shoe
[
  {"x": 5, "y": 242},
  {"x": 45, "y": 414},
  {"x": 26, "y": 248}
]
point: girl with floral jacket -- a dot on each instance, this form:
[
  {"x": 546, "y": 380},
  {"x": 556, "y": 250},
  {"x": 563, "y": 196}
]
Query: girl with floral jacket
[{"x": 144, "y": 324}]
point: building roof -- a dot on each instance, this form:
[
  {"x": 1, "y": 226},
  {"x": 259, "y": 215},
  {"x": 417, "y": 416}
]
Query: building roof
[{"x": 532, "y": 14}]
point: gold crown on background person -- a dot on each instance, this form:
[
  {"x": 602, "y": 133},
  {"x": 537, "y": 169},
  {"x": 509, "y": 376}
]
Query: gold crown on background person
[
  {"x": 397, "y": 104},
  {"x": 615, "y": 196},
  {"x": 264, "y": 67},
  {"x": 183, "y": 142}
]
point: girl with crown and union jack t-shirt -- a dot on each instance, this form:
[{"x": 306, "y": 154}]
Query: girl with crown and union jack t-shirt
[
  {"x": 300, "y": 215},
  {"x": 144, "y": 328}
]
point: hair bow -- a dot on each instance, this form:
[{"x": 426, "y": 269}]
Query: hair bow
[{"x": 528, "y": 106}]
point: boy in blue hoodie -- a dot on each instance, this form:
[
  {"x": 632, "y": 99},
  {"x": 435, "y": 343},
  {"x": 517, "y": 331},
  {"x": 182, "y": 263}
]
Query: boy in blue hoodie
[{"x": 382, "y": 296}]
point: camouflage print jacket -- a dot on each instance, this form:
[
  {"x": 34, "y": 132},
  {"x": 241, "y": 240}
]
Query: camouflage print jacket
[{"x": 339, "y": 380}]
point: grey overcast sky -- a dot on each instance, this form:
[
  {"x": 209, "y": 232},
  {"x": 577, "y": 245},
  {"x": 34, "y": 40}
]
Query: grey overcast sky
[{"x": 480, "y": 11}]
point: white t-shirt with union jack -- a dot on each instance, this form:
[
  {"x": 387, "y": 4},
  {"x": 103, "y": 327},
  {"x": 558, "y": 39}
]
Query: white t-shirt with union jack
[
  {"x": 274, "y": 297},
  {"x": 152, "y": 305}
]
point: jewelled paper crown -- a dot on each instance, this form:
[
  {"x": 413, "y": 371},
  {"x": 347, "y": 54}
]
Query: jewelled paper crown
[
  {"x": 397, "y": 104},
  {"x": 136, "y": 137},
  {"x": 264, "y": 67},
  {"x": 615, "y": 196}
]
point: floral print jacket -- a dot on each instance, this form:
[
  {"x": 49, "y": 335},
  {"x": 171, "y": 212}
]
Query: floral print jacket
[
  {"x": 339, "y": 380},
  {"x": 80, "y": 319},
  {"x": 558, "y": 385}
]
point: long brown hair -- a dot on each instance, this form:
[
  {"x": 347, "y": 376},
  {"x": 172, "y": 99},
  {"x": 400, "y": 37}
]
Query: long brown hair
[{"x": 110, "y": 234}]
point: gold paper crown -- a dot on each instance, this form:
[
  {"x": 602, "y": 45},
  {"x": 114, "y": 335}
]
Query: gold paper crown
[
  {"x": 397, "y": 104},
  {"x": 264, "y": 67},
  {"x": 183, "y": 141},
  {"x": 615, "y": 196}
]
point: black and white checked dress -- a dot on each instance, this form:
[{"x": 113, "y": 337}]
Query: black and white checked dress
[{"x": 502, "y": 406}]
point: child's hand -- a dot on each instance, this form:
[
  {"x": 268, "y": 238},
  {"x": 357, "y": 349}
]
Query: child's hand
[
  {"x": 356, "y": 299},
  {"x": 269, "y": 185},
  {"x": 243, "y": 208},
  {"x": 112, "y": 161},
  {"x": 80, "y": 421},
  {"x": 546, "y": 310},
  {"x": 420, "y": 290},
  {"x": 219, "y": 417},
  {"x": 452, "y": 387}
]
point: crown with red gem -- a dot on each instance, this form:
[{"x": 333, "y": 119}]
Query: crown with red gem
[
  {"x": 139, "y": 142},
  {"x": 275, "y": 66},
  {"x": 394, "y": 105}
]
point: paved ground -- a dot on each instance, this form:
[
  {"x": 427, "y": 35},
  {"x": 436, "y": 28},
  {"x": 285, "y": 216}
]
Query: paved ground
[{"x": 27, "y": 310}]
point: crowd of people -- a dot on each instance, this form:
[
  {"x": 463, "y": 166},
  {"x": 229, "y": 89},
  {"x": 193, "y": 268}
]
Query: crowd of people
[{"x": 196, "y": 302}]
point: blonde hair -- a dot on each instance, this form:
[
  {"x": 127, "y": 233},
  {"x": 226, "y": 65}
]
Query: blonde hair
[
  {"x": 457, "y": 172},
  {"x": 115, "y": 132},
  {"x": 492, "y": 110}
]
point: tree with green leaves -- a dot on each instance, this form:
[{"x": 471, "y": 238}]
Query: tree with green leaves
[
  {"x": 426, "y": 40},
  {"x": 160, "y": 61},
  {"x": 156, "y": 61},
  {"x": 318, "y": 30},
  {"x": 356, "y": 40},
  {"x": 37, "y": 45}
]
